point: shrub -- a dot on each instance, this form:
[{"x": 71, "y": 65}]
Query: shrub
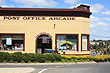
[
  {"x": 17, "y": 56},
  {"x": 90, "y": 57},
  {"x": 11, "y": 61},
  {"x": 88, "y": 60},
  {"x": 50, "y": 57},
  {"x": 105, "y": 57},
  {"x": 35, "y": 62},
  {"x": 29, "y": 57},
  {"x": 15, "y": 61},
  {"x": 62, "y": 60},
  {"x": 57, "y": 57},
  {"x": 29, "y": 62},
  {"x": 40, "y": 57},
  {"x": 82, "y": 60},
  {"x": 55, "y": 61},
  {"x": 96, "y": 58},
  {"x": 66, "y": 60},
  {"x": 4, "y": 61},
  {"x": 84, "y": 57},
  {"x": 75, "y": 60},
  {"x": 4, "y": 56},
  {"x": 71, "y": 60},
  {"x": 47, "y": 61},
  {"x": 102, "y": 59},
  {"x": 22, "y": 61}
]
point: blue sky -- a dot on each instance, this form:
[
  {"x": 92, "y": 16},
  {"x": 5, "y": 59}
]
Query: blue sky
[{"x": 99, "y": 20}]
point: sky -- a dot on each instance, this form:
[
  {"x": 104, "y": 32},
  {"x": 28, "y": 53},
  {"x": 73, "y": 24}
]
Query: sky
[{"x": 99, "y": 20}]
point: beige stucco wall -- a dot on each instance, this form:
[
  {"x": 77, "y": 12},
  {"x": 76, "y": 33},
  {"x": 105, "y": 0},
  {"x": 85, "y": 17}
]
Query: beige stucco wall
[{"x": 32, "y": 28}]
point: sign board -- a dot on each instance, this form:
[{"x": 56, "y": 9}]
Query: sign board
[
  {"x": 84, "y": 42},
  {"x": 9, "y": 41}
]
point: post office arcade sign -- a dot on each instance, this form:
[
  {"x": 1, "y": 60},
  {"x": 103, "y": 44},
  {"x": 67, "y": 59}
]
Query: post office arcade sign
[{"x": 36, "y": 18}]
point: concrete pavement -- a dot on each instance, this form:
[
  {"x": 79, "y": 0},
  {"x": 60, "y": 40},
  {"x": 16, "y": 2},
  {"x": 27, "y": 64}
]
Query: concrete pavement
[
  {"x": 32, "y": 67},
  {"x": 17, "y": 70}
]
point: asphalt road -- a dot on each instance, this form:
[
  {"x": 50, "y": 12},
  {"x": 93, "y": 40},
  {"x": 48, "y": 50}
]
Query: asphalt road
[{"x": 66, "y": 68}]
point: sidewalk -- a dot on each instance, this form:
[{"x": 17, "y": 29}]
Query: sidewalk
[
  {"x": 31, "y": 69},
  {"x": 17, "y": 70}
]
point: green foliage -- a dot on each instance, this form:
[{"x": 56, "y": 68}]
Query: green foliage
[
  {"x": 57, "y": 57},
  {"x": 22, "y": 61},
  {"x": 10, "y": 61},
  {"x": 29, "y": 62},
  {"x": 50, "y": 57},
  {"x": 62, "y": 60},
  {"x": 17, "y": 56},
  {"x": 4, "y": 61},
  {"x": 48, "y": 61},
  {"x": 29, "y": 57},
  {"x": 40, "y": 57},
  {"x": 4, "y": 56}
]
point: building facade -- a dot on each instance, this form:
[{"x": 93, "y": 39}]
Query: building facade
[{"x": 33, "y": 30}]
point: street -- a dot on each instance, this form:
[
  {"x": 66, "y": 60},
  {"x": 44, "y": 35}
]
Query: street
[{"x": 65, "y": 68}]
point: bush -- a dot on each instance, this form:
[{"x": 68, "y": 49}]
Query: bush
[
  {"x": 40, "y": 57},
  {"x": 96, "y": 59},
  {"x": 17, "y": 56},
  {"x": 105, "y": 57},
  {"x": 29, "y": 62},
  {"x": 47, "y": 61},
  {"x": 29, "y": 57},
  {"x": 4, "y": 56},
  {"x": 22, "y": 61},
  {"x": 62, "y": 60},
  {"x": 50, "y": 57},
  {"x": 11, "y": 61},
  {"x": 71, "y": 60},
  {"x": 57, "y": 57}
]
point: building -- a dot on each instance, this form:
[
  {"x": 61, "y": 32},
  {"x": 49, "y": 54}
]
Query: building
[{"x": 33, "y": 30}]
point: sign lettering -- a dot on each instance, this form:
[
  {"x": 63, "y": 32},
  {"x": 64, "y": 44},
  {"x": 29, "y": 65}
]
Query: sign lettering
[{"x": 36, "y": 18}]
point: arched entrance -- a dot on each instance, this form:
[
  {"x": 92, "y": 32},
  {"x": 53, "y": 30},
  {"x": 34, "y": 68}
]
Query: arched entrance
[{"x": 43, "y": 42}]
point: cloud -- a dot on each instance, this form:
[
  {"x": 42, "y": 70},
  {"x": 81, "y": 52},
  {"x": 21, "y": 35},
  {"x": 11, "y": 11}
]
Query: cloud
[
  {"x": 98, "y": 22},
  {"x": 106, "y": 18},
  {"x": 71, "y": 1},
  {"x": 2, "y": 2},
  {"x": 79, "y": 5},
  {"x": 40, "y": 3},
  {"x": 4, "y": 5},
  {"x": 96, "y": 8},
  {"x": 99, "y": 27},
  {"x": 106, "y": 13}
]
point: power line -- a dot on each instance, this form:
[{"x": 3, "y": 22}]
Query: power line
[{"x": 99, "y": 36}]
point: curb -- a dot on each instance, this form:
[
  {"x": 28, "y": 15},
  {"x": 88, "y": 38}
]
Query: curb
[{"x": 47, "y": 63}]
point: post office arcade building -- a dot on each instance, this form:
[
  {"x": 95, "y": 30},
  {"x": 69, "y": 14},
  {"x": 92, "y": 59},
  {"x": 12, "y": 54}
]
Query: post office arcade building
[{"x": 34, "y": 30}]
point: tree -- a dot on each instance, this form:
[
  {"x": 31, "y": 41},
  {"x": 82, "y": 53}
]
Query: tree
[
  {"x": 95, "y": 46},
  {"x": 101, "y": 44}
]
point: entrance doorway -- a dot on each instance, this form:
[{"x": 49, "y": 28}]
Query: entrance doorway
[{"x": 43, "y": 42}]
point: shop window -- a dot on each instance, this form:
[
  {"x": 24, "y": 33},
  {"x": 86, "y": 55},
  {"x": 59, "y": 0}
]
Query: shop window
[
  {"x": 85, "y": 42},
  {"x": 12, "y": 42},
  {"x": 67, "y": 42}
]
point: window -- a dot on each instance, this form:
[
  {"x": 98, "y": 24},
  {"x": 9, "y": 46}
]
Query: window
[
  {"x": 85, "y": 42},
  {"x": 67, "y": 42},
  {"x": 12, "y": 42}
]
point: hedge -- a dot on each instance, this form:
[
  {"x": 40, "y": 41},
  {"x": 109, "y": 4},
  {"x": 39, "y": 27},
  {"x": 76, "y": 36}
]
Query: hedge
[
  {"x": 19, "y": 57},
  {"x": 85, "y": 58}
]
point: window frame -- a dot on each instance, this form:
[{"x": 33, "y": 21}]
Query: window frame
[
  {"x": 15, "y": 34},
  {"x": 87, "y": 41}
]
